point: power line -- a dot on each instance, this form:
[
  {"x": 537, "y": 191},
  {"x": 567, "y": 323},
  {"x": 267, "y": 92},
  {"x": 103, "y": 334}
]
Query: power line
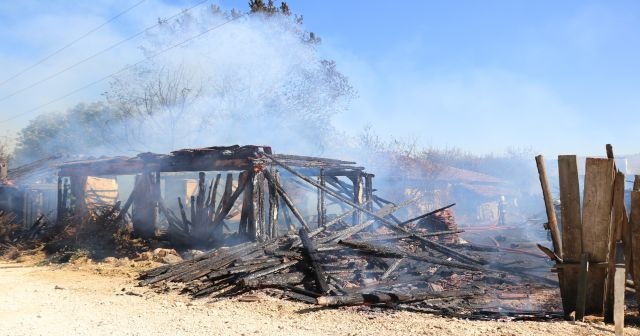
[
  {"x": 161, "y": 21},
  {"x": 122, "y": 70},
  {"x": 71, "y": 43}
]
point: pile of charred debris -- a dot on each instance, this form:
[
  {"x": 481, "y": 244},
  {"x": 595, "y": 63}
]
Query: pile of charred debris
[{"x": 358, "y": 253}]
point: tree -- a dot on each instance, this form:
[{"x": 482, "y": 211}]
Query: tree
[{"x": 72, "y": 133}]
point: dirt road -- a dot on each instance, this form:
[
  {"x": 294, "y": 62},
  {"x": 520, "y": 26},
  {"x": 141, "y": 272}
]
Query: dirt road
[{"x": 92, "y": 300}]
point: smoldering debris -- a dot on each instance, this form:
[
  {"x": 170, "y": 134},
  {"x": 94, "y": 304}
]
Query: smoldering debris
[{"x": 356, "y": 249}]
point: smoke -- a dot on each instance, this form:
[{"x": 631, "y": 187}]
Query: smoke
[
  {"x": 251, "y": 79},
  {"x": 254, "y": 80}
]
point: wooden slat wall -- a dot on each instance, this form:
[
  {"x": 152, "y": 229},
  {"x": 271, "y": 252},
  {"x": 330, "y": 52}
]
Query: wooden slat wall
[{"x": 596, "y": 222}]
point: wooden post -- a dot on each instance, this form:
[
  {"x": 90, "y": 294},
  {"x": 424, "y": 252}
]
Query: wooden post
[
  {"x": 274, "y": 201},
  {"x": 256, "y": 219},
  {"x": 246, "y": 214},
  {"x": 596, "y": 223},
  {"x": 144, "y": 206},
  {"x": 77, "y": 184},
  {"x": 322, "y": 211},
  {"x": 552, "y": 222},
  {"x": 571, "y": 228},
  {"x": 358, "y": 195},
  {"x": 60, "y": 209},
  {"x": 368, "y": 191},
  {"x": 619, "y": 216},
  {"x": 199, "y": 206}
]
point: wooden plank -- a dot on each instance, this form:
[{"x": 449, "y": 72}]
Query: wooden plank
[
  {"x": 618, "y": 216},
  {"x": 581, "y": 291},
  {"x": 571, "y": 228},
  {"x": 619, "y": 287},
  {"x": 596, "y": 222},
  {"x": 635, "y": 239},
  {"x": 552, "y": 222}
]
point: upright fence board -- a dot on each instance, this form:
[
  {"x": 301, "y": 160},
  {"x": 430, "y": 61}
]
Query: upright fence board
[
  {"x": 618, "y": 217},
  {"x": 571, "y": 228},
  {"x": 596, "y": 223},
  {"x": 635, "y": 239}
]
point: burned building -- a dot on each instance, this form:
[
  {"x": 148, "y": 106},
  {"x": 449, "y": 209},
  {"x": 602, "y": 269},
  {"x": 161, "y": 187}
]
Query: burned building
[{"x": 236, "y": 189}]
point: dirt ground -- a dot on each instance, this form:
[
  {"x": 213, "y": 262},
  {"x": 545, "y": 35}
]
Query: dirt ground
[{"x": 99, "y": 299}]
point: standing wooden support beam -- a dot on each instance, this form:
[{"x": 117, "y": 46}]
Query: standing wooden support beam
[
  {"x": 618, "y": 219},
  {"x": 77, "y": 186},
  {"x": 256, "y": 229},
  {"x": 194, "y": 219},
  {"x": 358, "y": 195},
  {"x": 246, "y": 214},
  {"x": 596, "y": 223},
  {"x": 60, "y": 208},
  {"x": 571, "y": 228},
  {"x": 368, "y": 191},
  {"x": 199, "y": 205},
  {"x": 322, "y": 211},
  {"x": 552, "y": 222},
  {"x": 274, "y": 202}
]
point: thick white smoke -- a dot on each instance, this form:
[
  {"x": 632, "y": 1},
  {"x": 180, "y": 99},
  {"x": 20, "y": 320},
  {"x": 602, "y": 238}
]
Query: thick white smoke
[{"x": 252, "y": 80}]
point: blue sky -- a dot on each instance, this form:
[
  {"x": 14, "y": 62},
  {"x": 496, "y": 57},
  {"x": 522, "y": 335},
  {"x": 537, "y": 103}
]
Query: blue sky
[{"x": 556, "y": 76}]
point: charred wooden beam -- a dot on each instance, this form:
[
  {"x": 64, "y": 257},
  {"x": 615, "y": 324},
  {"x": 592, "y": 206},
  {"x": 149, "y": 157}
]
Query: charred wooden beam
[
  {"x": 358, "y": 195},
  {"x": 312, "y": 260},
  {"x": 361, "y": 226},
  {"x": 321, "y": 206},
  {"x": 185, "y": 222},
  {"x": 256, "y": 228},
  {"x": 268, "y": 271},
  {"x": 330, "y": 223},
  {"x": 274, "y": 280},
  {"x": 274, "y": 201},
  {"x": 387, "y": 252},
  {"x": 433, "y": 245},
  {"x": 380, "y": 297}
]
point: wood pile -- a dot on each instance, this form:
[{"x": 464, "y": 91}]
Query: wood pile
[{"x": 341, "y": 264}]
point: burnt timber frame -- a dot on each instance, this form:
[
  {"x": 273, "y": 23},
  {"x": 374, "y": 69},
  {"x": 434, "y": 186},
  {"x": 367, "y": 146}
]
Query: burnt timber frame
[{"x": 261, "y": 185}]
